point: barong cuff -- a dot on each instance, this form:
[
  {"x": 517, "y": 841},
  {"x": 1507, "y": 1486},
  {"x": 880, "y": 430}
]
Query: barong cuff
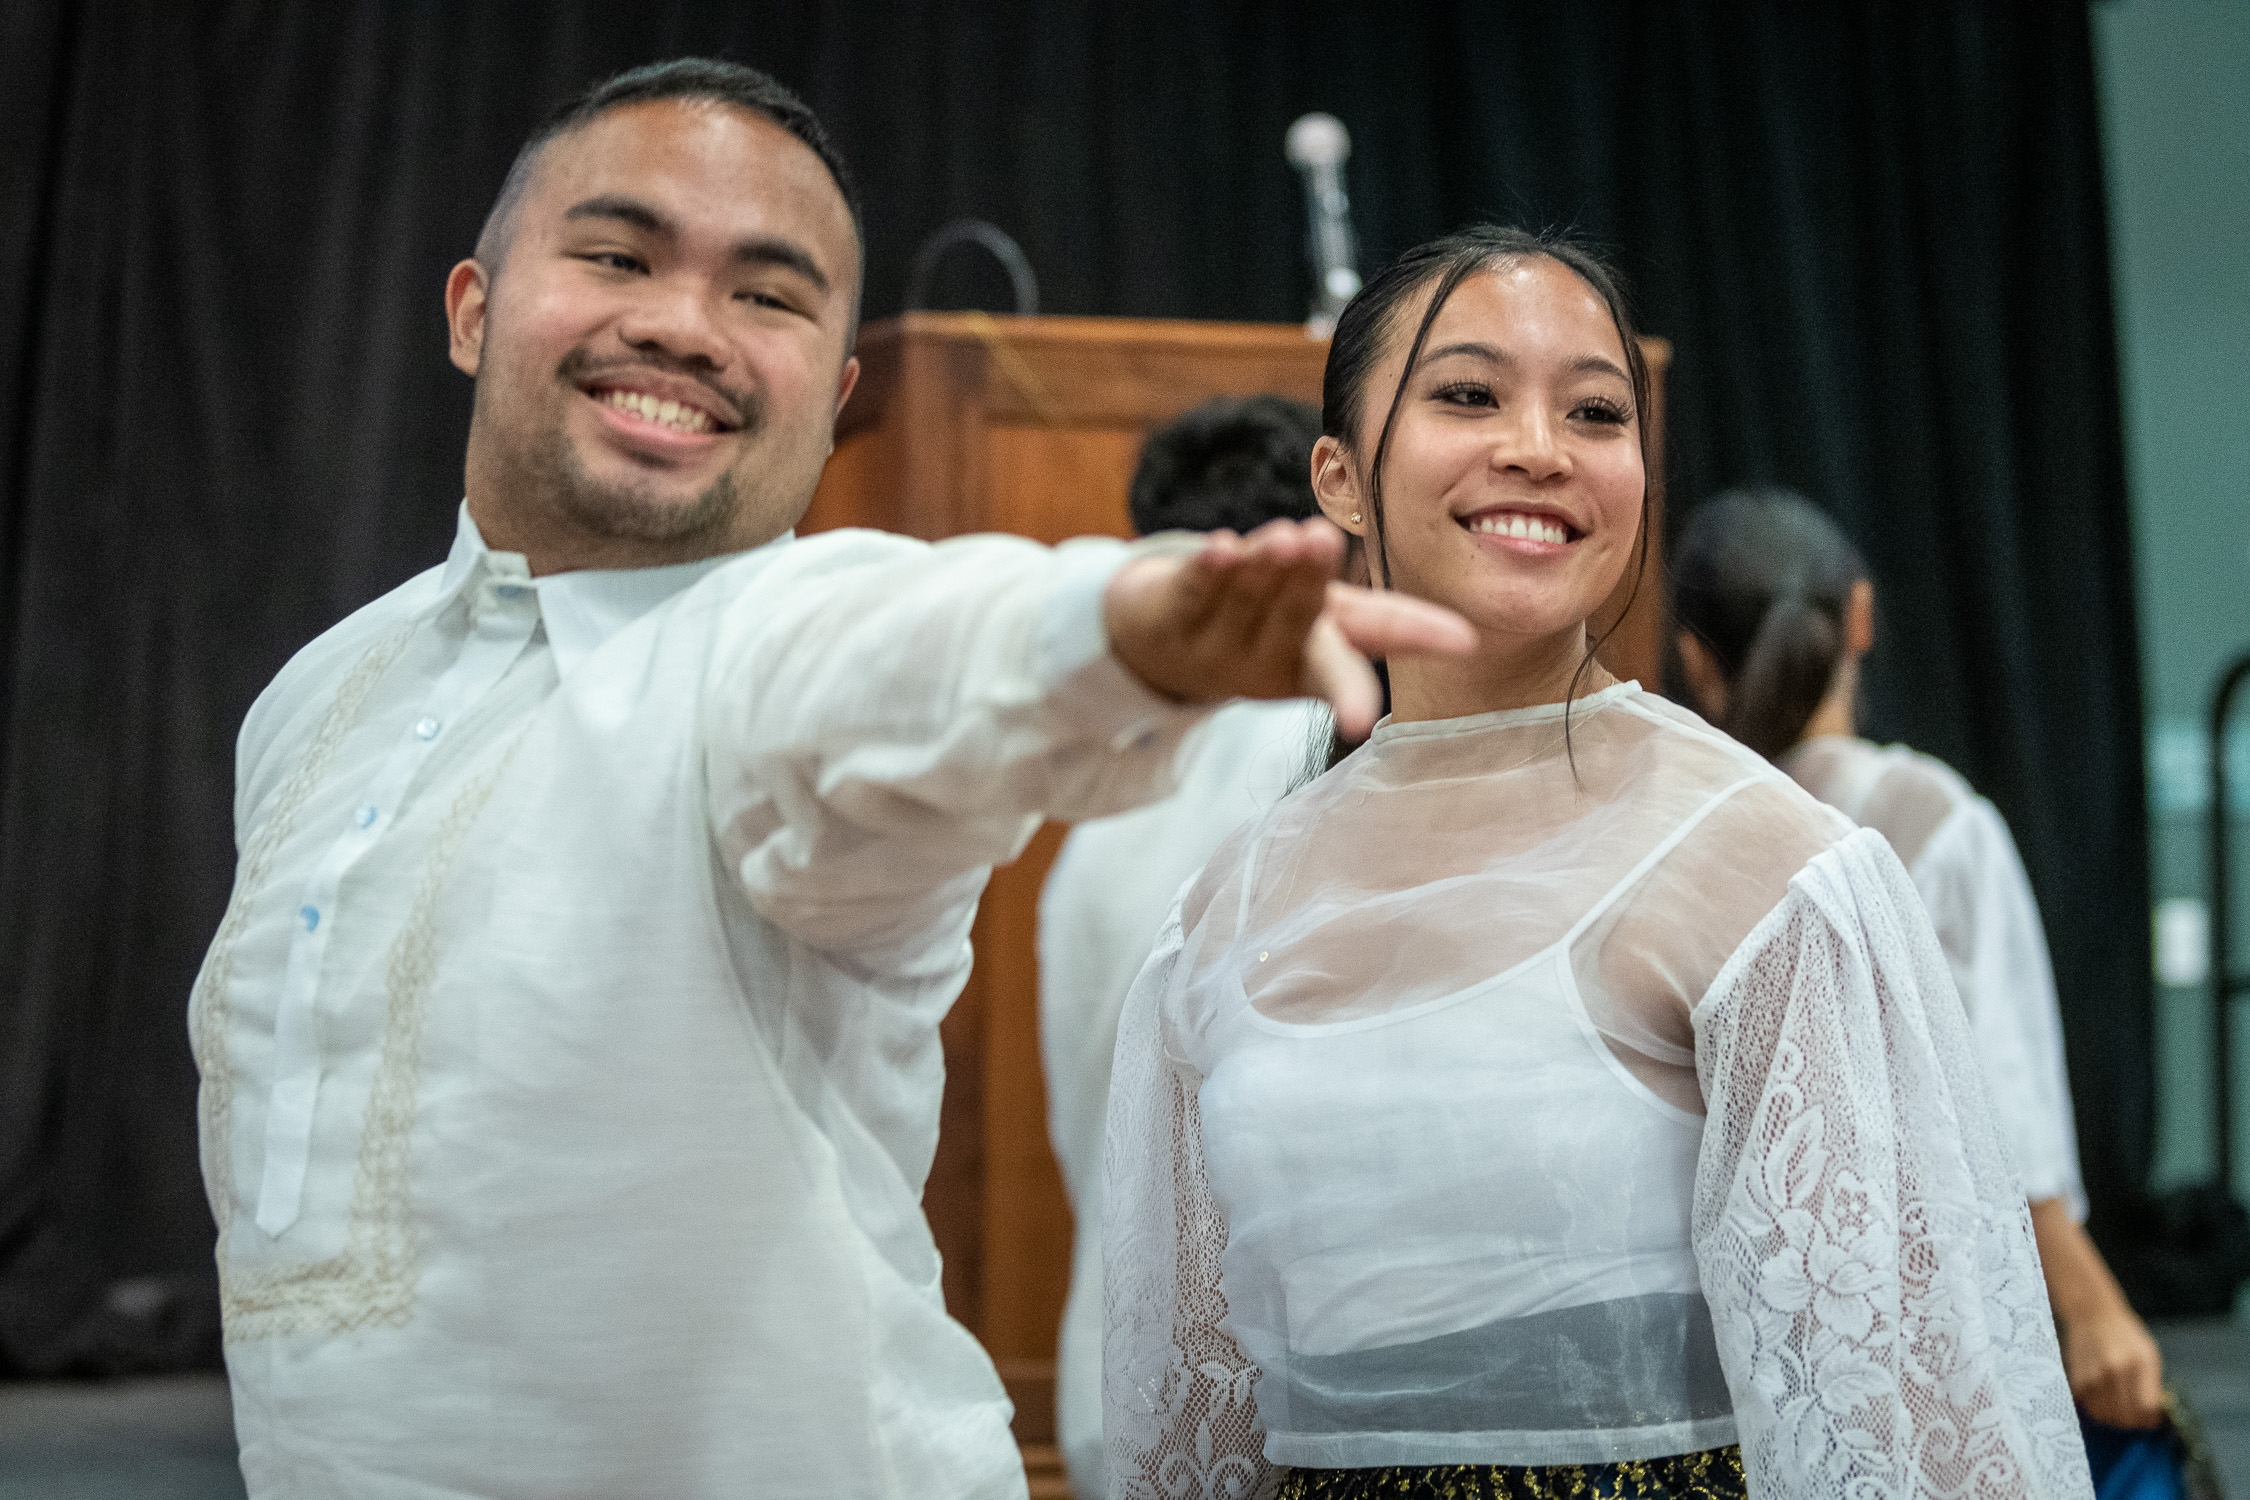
[{"x": 1088, "y": 686}]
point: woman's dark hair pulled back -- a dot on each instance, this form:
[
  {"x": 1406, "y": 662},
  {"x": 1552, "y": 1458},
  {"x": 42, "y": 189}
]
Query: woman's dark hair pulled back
[
  {"x": 1370, "y": 321},
  {"x": 1764, "y": 578}
]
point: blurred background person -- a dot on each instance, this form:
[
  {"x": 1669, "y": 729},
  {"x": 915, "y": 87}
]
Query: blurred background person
[
  {"x": 1233, "y": 463},
  {"x": 1775, "y": 610}
]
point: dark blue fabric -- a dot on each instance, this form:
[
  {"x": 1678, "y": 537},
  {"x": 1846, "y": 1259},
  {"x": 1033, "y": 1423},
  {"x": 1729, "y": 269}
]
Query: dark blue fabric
[{"x": 2135, "y": 1465}]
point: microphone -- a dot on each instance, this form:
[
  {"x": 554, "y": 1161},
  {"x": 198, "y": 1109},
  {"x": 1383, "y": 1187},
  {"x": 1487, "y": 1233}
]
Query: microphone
[{"x": 1318, "y": 146}]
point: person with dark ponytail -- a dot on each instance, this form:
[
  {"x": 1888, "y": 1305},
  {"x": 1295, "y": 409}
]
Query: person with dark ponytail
[
  {"x": 1775, "y": 611},
  {"x": 1552, "y": 1098}
]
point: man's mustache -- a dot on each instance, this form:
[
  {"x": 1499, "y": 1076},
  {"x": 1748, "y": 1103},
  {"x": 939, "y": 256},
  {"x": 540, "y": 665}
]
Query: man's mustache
[{"x": 740, "y": 409}]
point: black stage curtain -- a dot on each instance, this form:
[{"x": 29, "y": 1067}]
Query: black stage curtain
[{"x": 1874, "y": 232}]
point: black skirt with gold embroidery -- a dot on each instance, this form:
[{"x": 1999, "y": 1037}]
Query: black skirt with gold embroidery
[{"x": 1712, "y": 1474}]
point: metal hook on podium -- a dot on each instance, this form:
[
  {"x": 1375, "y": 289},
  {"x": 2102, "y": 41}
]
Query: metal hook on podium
[{"x": 994, "y": 239}]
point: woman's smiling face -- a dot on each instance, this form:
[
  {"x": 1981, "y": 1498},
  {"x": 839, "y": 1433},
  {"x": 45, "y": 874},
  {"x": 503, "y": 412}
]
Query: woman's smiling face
[{"x": 1513, "y": 482}]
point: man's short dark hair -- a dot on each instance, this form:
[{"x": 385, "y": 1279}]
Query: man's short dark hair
[
  {"x": 693, "y": 78},
  {"x": 1234, "y": 461}
]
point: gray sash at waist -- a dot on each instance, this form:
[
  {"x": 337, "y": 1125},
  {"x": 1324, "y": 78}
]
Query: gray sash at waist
[{"x": 1634, "y": 1362}]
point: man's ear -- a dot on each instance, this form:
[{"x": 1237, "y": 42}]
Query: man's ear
[
  {"x": 465, "y": 292},
  {"x": 1859, "y": 618},
  {"x": 1335, "y": 484}
]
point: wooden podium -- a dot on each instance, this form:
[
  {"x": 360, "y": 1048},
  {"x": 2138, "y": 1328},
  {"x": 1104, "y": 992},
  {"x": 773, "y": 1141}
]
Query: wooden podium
[{"x": 966, "y": 422}]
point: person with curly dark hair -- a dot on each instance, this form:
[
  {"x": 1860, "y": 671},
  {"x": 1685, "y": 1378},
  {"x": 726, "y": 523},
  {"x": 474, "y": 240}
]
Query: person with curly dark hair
[{"x": 1231, "y": 464}]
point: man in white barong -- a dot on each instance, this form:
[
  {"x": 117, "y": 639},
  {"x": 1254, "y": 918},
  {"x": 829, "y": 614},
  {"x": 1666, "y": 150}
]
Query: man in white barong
[{"x": 569, "y": 1046}]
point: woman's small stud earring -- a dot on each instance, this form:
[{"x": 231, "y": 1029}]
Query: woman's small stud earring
[{"x": 1355, "y": 518}]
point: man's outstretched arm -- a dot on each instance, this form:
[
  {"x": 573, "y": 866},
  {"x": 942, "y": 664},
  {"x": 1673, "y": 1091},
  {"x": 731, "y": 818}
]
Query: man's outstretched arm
[{"x": 885, "y": 720}]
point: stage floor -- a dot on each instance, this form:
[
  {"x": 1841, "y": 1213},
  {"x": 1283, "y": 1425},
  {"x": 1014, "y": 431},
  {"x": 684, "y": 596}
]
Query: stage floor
[
  {"x": 173, "y": 1438},
  {"x": 164, "y": 1438}
]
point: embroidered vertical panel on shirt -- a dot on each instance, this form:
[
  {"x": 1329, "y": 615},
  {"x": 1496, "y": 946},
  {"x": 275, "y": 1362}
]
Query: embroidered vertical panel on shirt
[
  {"x": 371, "y": 1280},
  {"x": 207, "y": 1006}
]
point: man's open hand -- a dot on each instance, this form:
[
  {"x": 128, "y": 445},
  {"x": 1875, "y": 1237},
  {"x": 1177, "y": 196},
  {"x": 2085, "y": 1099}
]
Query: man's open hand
[{"x": 1260, "y": 616}]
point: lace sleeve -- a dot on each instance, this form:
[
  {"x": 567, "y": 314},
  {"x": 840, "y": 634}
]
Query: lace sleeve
[
  {"x": 1179, "y": 1418},
  {"x": 1866, "y": 1255}
]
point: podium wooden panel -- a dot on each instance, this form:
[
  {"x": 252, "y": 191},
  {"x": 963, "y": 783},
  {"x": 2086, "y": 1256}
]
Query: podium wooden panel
[{"x": 965, "y": 422}]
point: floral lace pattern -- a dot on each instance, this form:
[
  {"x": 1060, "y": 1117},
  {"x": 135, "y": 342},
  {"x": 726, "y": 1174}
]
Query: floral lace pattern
[
  {"x": 1873, "y": 1280},
  {"x": 1179, "y": 1419}
]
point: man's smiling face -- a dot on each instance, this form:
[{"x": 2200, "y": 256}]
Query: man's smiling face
[{"x": 660, "y": 352}]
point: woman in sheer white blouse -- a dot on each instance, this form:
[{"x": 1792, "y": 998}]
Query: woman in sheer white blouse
[
  {"x": 1776, "y": 609},
  {"x": 1552, "y": 1096}
]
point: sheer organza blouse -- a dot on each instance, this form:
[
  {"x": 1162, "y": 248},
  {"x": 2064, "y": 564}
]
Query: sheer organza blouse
[{"x": 1409, "y": 1161}]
